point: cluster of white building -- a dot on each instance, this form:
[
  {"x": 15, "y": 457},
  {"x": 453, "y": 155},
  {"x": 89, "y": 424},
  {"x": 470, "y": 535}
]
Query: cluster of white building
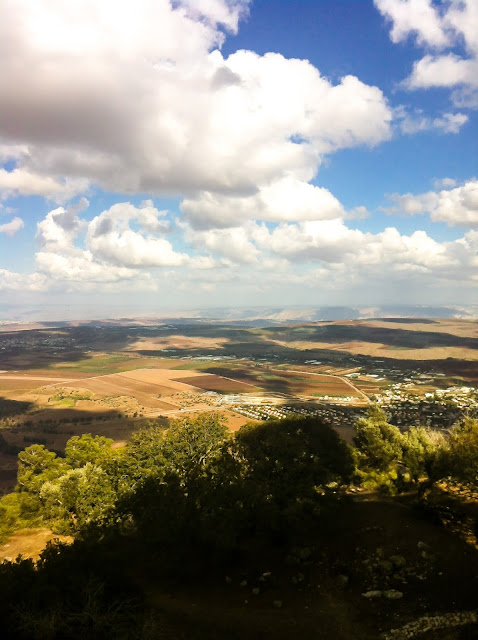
[{"x": 459, "y": 396}]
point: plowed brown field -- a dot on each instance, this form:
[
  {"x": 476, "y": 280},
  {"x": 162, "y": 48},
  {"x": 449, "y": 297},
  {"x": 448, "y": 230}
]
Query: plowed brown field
[
  {"x": 177, "y": 342},
  {"x": 18, "y": 385},
  {"x": 163, "y": 377},
  {"x": 301, "y": 383},
  {"x": 210, "y": 382},
  {"x": 117, "y": 385}
]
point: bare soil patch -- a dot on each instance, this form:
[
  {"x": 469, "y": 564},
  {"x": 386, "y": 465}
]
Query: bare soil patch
[
  {"x": 12, "y": 386},
  {"x": 29, "y": 543},
  {"x": 168, "y": 382},
  {"x": 244, "y": 373},
  {"x": 160, "y": 376},
  {"x": 117, "y": 385},
  {"x": 289, "y": 383},
  {"x": 177, "y": 342},
  {"x": 463, "y": 328},
  {"x": 234, "y": 420},
  {"x": 59, "y": 371},
  {"x": 303, "y": 384},
  {"x": 376, "y": 349},
  {"x": 211, "y": 382}
]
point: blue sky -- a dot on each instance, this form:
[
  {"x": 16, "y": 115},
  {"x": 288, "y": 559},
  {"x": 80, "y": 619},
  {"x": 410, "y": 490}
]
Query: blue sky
[{"x": 204, "y": 153}]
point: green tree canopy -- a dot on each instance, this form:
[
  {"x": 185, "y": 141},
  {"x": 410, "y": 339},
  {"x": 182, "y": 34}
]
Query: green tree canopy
[
  {"x": 461, "y": 456},
  {"x": 80, "y": 497},
  {"x": 379, "y": 444},
  {"x": 37, "y": 465},
  {"x": 86, "y": 448},
  {"x": 420, "y": 451},
  {"x": 185, "y": 479},
  {"x": 190, "y": 445},
  {"x": 289, "y": 459}
]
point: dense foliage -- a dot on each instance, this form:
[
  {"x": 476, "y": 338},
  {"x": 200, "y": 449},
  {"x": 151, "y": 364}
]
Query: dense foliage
[
  {"x": 389, "y": 458},
  {"x": 189, "y": 498}
]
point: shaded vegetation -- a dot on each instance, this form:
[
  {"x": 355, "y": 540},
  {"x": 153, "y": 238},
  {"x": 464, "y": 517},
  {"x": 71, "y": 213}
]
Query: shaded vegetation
[
  {"x": 191, "y": 500},
  {"x": 389, "y": 459},
  {"x": 408, "y": 320},
  {"x": 411, "y": 339},
  {"x": 13, "y": 407}
]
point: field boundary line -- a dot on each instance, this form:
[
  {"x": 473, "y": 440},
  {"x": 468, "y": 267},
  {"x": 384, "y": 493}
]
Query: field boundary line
[
  {"x": 326, "y": 375},
  {"x": 234, "y": 380}
]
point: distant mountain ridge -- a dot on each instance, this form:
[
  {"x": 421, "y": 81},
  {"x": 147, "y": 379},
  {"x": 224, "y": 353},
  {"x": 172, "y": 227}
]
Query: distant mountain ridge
[{"x": 256, "y": 316}]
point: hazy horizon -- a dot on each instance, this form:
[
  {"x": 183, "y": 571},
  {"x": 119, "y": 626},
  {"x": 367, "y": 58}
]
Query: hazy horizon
[{"x": 22, "y": 313}]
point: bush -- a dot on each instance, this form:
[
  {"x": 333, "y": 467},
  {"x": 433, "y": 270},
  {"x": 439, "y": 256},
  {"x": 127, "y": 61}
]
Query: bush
[{"x": 460, "y": 457}]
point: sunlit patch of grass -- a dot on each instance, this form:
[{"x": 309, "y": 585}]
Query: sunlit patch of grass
[
  {"x": 393, "y": 347},
  {"x": 330, "y": 394},
  {"x": 69, "y": 397},
  {"x": 65, "y": 402},
  {"x": 101, "y": 364},
  {"x": 194, "y": 364}
]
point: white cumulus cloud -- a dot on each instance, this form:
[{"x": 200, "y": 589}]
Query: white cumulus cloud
[
  {"x": 286, "y": 199},
  {"x": 81, "y": 267},
  {"x": 412, "y": 122},
  {"x": 439, "y": 27},
  {"x": 110, "y": 237},
  {"x": 25, "y": 182},
  {"x": 137, "y": 97},
  {"x": 233, "y": 243},
  {"x": 58, "y": 230},
  {"x": 418, "y": 17},
  {"x": 10, "y": 281},
  {"x": 12, "y": 227},
  {"x": 114, "y": 251},
  {"x": 456, "y": 206}
]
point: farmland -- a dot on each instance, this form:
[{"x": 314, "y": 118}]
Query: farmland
[
  {"x": 110, "y": 379},
  {"x": 40, "y": 406},
  {"x": 114, "y": 380},
  {"x": 421, "y": 340}
]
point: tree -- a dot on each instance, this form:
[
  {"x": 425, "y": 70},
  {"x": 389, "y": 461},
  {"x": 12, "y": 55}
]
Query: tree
[
  {"x": 286, "y": 461},
  {"x": 420, "y": 452},
  {"x": 37, "y": 465},
  {"x": 79, "y": 498},
  {"x": 191, "y": 445},
  {"x": 186, "y": 448},
  {"x": 461, "y": 455},
  {"x": 379, "y": 444},
  {"x": 80, "y": 450},
  {"x": 144, "y": 454},
  {"x": 185, "y": 483}
]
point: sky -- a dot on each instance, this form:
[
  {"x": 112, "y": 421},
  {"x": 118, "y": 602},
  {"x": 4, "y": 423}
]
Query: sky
[{"x": 159, "y": 155}]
